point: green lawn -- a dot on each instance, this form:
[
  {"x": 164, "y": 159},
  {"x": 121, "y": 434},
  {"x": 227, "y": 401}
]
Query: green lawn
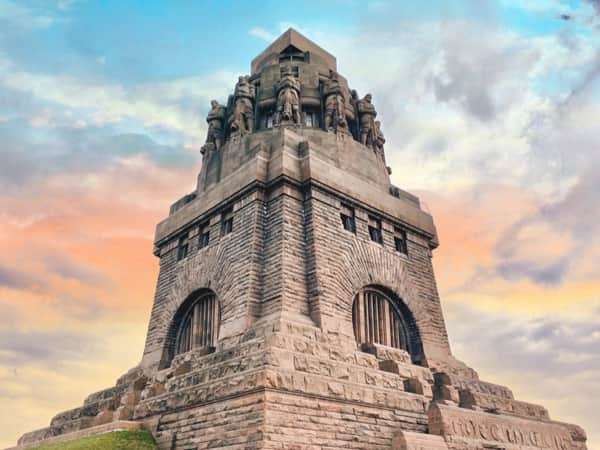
[{"x": 118, "y": 440}]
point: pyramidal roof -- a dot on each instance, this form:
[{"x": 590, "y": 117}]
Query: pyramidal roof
[{"x": 293, "y": 38}]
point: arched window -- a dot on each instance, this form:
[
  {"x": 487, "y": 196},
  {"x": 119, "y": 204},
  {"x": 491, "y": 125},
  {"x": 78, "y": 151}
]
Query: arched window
[
  {"x": 377, "y": 319},
  {"x": 198, "y": 326}
]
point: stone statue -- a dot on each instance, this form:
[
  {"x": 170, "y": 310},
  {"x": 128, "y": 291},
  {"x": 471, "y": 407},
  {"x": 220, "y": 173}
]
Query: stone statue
[
  {"x": 367, "y": 114},
  {"x": 335, "y": 116},
  {"x": 242, "y": 120},
  {"x": 379, "y": 138},
  {"x": 215, "y": 120},
  {"x": 288, "y": 99},
  {"x": 379, "y": 143}
]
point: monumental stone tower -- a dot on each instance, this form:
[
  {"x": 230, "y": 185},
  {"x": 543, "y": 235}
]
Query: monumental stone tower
[{"x": 296, "y": 304}]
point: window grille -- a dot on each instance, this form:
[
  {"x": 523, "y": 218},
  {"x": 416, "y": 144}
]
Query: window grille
[
  {"x": 348, "y": 218},
  {"x": 377, "y": 320},
  {"x": 199, "y": 327},
  {"x": 375, "y": 230}
]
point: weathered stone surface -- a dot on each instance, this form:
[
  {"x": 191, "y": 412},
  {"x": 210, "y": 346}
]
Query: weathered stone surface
[
  {"x": 419, "y": 386},
  {"x": 491, "y": 403},
  {"x": 462, "y": 428},
  {"x": 406, "y": 440},
  {"x": 387, "y": 353}
]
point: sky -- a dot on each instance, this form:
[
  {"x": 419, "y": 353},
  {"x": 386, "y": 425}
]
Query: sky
[{"x": 490, "y": 110}]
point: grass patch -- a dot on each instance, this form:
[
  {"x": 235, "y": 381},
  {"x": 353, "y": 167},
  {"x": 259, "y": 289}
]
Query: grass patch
[{"x": 116, "y": 440}]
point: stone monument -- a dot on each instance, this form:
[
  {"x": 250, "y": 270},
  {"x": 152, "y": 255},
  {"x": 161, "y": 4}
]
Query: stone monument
[{"x": 296, "y": 304}]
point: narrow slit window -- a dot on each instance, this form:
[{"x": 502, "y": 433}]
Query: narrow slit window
[
  {"x": 348, "y": 218},
  {"x": 375, "y": 231},
  {"x": 227, "y": 222},
  {"x": 204, "y": 236},
  {"x": 183, "y": 247},
  {"x": 400, "y": 240}
]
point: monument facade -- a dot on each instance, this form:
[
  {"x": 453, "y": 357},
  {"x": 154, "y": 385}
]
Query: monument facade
[{"x": 296, "y": 305}]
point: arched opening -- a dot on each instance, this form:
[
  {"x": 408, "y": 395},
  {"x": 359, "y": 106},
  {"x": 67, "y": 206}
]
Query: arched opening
[
  {"x": 195, "y": 325},
  {"x": 381, "y": 317}
]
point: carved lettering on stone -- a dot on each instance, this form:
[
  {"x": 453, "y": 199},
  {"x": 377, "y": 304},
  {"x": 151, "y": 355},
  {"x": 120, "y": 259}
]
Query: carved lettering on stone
[{"x": 456, "y": 423}]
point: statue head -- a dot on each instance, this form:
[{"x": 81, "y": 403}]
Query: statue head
[
  {"x": 368, "y": 98},
  {"x": 241, "y": 79},
  {"x": 214, "y": 104}
]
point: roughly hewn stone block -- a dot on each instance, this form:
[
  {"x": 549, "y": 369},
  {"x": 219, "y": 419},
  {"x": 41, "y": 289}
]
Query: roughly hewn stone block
[{"x": 406, "y": 440}]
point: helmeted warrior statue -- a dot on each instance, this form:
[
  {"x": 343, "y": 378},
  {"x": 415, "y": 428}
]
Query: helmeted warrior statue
[
  {"x": 335, "y": 117},
  {"x": 379, "y": 143},
  {"x": 379, "y": 138},
  {"x": 215, "y": 120},
  {"x": 242, "y": 120},
  {"x": 288, "y": 99},
  {"x": 367, "y": 114}
]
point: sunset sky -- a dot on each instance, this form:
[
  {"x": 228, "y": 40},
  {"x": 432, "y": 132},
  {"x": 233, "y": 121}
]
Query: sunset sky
[{"x": 491, "y": 110}]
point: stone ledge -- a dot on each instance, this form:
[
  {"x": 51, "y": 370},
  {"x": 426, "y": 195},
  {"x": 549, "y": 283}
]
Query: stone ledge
[
  {"x": 93, "y": 431},
  {"x": 490, "y": 403}
]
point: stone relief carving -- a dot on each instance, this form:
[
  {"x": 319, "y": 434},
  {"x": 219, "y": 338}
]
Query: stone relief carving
[
  {"x": 288, "y": 99},
  {"x": 215, "y": 120},
  {"x": 335, "y": 117},
  {"x": 242, "y": 120}
]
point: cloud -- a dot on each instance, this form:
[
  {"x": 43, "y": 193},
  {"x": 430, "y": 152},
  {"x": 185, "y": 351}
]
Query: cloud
[
  {"x": 32, "y": 154},
  {"x": 15, "y": 279},
  {"x": 16, "y": 14},
  {"x": 540, "y": 272},
  {"x": 71, "y": 270},
  {"x": 65, "y": 5},
  {"x": 54, "y": 348},
  {"x": 177, "y": 106},
  {"x": 545, "y": 245},
  {"x": 552, "y": 359},
  {"x": 476, "y": 74},
  {"x": 263, "y": 34},
  {"x": 595, "y": 4}
]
